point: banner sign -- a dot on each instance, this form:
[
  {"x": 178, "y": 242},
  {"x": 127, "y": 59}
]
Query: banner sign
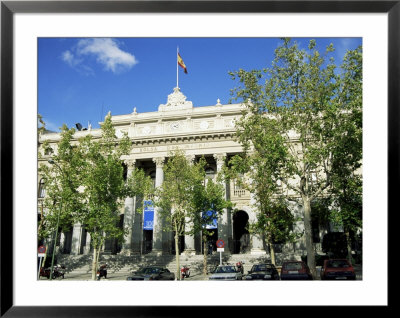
[
  {"x": 148, "y": 215},
  {"x": 211, "y": 219}
]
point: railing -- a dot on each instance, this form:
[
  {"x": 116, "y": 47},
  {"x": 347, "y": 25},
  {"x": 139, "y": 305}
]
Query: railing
[{"x": 238, "y": 192}]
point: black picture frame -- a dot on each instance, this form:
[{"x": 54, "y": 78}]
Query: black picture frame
[{"x": 8, "y": 8}]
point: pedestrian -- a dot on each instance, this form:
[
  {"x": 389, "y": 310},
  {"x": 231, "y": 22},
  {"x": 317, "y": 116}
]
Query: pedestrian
[{"x": 210, "y": 247}]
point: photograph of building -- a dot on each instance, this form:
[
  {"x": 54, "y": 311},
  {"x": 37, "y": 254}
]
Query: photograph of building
[{"x": 198, "y": 130}]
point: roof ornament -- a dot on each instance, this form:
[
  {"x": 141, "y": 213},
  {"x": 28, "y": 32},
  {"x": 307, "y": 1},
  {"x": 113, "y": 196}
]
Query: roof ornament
[{"x": 176, "y": 101}]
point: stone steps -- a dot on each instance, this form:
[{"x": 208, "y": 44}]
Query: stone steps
[{"x": 124, "y": 265}]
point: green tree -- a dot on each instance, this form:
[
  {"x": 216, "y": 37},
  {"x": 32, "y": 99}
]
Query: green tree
[
  {"x": 104, "y": 187},
  {"x": 175, "y": 196},
  {"x": 346, "y": 178},
  {"x": 256, "y": 172},
  {"x": 307, "y": 105},
  {"x": 209, "y": 202},
  {"x": 347, "y": 208},
  {"x": 62, "y": 199},
  {"x": 86, "y": 180},
  {"x": 185, "y": 196}
]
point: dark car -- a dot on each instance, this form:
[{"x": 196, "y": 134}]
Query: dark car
[
  {"x": 263, "y": 272},
  {"x": 295, "y": 270},
  {"x": 337, "y": 269},
  {"x": 152, "y": 273}
]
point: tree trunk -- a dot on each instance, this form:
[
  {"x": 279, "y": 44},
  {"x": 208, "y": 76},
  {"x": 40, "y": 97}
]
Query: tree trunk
[
  {"x": 178, "y": 271},
  {"x": 205, "y": 252},
  {"x": 348, "y": 242},
  {"x": 272, "y": 252},
  {"x": 98, "y": 255},
  {"x": 41, "y": 221},
  {"x": 308, "y": 236},
  {"x": 94, "y": 263}
]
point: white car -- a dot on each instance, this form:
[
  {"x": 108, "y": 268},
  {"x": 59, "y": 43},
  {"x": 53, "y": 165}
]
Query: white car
[{"x": 226, "y": 272}]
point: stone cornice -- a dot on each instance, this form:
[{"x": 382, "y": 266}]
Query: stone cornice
[
  {"x": 175, "y": 114},
  {"x": 224, "y": 135}
]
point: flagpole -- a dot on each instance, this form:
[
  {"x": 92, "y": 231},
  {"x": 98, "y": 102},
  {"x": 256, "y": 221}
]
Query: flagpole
[{"x": 177, "y": 52}]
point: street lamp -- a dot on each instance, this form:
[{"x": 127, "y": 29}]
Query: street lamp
[{"x": 58, "y": 221}]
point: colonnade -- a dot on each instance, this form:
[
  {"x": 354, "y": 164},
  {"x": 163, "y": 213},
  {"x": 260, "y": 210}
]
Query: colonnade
[
  {"x": 161, "y": 240},
  {"x": 133, "y": 220}
]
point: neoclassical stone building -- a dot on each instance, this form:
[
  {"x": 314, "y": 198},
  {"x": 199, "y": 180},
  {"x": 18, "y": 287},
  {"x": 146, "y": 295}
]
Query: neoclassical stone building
[{"x": 199, "y": 131}]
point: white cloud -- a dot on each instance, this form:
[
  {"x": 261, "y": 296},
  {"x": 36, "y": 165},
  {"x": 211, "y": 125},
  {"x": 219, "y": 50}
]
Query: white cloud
[
  {"x": 68, "y": 57},
  {"x": 106, "y": 52}
]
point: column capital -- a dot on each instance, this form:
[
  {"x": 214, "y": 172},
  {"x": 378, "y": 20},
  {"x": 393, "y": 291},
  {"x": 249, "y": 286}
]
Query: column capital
[
  {"x": 159, "y": 161},
  {"x": 130, "y": 162},
  {"x": 190, "y": 158},
  {"x": 219, "y": 157}
]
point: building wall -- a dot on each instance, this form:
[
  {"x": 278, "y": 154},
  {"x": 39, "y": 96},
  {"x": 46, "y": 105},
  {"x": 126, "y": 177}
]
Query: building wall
[{"x": 199, "y": 131}]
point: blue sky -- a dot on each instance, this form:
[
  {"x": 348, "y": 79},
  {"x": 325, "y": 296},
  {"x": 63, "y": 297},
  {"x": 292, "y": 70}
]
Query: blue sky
[{"x": 81, "y": 79}]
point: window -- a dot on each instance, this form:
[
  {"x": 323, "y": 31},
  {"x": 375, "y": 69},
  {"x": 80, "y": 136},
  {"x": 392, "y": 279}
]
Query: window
[
  {"x": 42, "y": 190},
  {"x": 153, "y": 178},
  {"x": 48, "y": 151},
  {"x": 210, "y": 173},
  {"x": 238, "y": 189}
]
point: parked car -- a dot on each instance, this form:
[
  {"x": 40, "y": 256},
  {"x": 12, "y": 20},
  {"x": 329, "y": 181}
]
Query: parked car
[
  {"x": 263, "y": 272},
  {"x": 295, "y": 270},
  {"x": 337, "y": 269},
  {"x": 152, "y": 273},
  {"x": 226, "y": 272}
]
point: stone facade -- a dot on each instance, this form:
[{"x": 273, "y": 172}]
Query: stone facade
[{"x": 199, "y": 131}]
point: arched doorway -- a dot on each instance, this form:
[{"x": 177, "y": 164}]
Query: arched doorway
[{"x": 241, "y": 237}]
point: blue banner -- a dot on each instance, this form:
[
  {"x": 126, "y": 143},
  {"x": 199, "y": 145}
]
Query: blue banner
[
  {"x": 148, "y": 215},
  {"x": 210, "y": 217}
]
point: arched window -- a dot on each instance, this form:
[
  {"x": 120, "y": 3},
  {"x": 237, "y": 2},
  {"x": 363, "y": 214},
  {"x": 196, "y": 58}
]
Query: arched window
[{"x": 42, "y": 190}]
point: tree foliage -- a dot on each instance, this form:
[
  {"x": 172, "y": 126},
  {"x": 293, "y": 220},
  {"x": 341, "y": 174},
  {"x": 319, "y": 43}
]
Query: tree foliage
[
  {"x": 87, "y": 181},
  {"x": 185, "y": 196},
  {"x": 303, "y": 116}
]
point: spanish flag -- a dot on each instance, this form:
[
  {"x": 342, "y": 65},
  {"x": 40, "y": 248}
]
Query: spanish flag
[{"x": 181, "y": 63}]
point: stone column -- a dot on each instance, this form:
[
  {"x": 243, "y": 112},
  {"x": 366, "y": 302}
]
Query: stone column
[
  {"x": 86, "y": 248},
  {"x": 62, "y": 242},
  {"x": 256, "y": 240},
  {"x": 223, "y": 220},
  {"x": 157, "y": 225},
  {"x": 189, "y": 239},
  {"x": 129, "y": 211},
  {"x": 76, "y": 239}
]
